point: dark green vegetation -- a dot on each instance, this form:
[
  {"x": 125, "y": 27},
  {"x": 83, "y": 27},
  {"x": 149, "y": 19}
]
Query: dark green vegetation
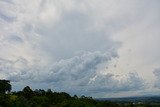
[
  {"x": 5, "y": 86},
  {"x": 41, "y": 98}
]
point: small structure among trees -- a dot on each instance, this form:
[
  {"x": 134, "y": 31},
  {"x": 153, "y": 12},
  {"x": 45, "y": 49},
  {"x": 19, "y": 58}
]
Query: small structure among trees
[{"x": 5, "y": 86}]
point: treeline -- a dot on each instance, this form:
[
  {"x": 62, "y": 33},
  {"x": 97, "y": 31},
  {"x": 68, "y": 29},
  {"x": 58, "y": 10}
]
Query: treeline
[{"x": 41, "y": 98}]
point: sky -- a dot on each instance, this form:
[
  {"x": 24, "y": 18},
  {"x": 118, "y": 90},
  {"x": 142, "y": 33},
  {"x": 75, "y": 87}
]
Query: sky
[{"x": 98, "y": 48}]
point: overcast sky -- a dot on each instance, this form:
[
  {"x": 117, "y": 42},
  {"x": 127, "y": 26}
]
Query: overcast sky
[{"x": 99, "y": 48}]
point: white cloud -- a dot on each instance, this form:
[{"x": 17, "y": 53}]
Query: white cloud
[{"x": 139, "y": 39}]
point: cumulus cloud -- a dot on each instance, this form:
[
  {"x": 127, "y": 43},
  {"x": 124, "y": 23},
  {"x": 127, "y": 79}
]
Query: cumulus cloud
[
  {"x": 17, "y": 70},
  {"x": 78, "y": 69},
  {"x": 112, "y": 83},
  {"x": 79, "y": 75},
  {"x": 81, "y": 72}
]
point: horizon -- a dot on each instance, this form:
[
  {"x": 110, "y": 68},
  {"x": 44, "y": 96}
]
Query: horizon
[
  {"x": 94, "y": 48},
  {"x": 111, "y": 97}
]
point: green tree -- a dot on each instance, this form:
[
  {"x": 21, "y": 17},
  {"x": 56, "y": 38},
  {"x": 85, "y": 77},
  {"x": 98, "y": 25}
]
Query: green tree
[
  {"x": 4, "y": 100},
  {"x": 27, "y": 92},
  {"x": 5, "y": 86}
]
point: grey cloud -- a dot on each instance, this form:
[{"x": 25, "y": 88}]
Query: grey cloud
[
  {"x": 79, "y": 75},
  {"x": 6, "y": 18},
  {"x": 72, "y": 33},
  {"x": 109, "y": 83},
  {"x": 157, "y": 75},
  {"x": 84, "y": 28},
  {"x": 15, "y": 71},
  {"x": 7, "y": 1},
  {"x": 78, "y": 67},
  {"x": 6, "y": 14},
  {"x": 15, "y": 39}
]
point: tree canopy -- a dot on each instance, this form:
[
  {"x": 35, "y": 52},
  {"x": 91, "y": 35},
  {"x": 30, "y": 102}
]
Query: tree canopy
[
  {"x": 5, "y": 86},
  {"x": 41, "y": 98}
]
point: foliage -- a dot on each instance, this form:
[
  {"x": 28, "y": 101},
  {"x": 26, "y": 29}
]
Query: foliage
[
  {"x": 5, "y": 86},
  {"x": 41, "y": 98}
]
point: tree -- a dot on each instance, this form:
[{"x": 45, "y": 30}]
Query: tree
[
  {"x": 27, "y": 92},
  {"x": 5, "y": 86},
  {"x": 75, "y": 97}
]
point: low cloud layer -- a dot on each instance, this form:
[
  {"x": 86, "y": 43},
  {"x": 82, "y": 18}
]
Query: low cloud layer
[{"x": 77, "y": 75}]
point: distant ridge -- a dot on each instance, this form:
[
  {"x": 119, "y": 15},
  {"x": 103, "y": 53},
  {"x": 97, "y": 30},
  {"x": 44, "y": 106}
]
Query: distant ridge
[{"x": 155, "y": 98}]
